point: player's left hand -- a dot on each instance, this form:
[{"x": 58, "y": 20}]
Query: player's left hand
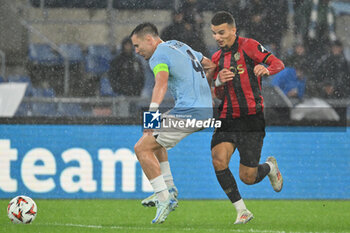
[{"x": 260, "y": 70}]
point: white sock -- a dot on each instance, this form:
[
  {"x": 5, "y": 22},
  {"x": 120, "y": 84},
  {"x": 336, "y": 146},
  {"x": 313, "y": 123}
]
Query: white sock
[
  {"x": 160, "y": 188},
  {"x": 239, "y": 205},
  {"x": 270, "y": 164},
  {"x": 166, "y": 172}
]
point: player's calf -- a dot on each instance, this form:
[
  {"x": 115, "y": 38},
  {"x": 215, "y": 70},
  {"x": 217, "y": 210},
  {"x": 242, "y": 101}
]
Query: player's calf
[{"x": 248, "y": 179}]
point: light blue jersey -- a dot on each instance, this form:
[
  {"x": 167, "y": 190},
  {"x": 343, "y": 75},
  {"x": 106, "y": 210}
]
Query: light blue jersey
[{"x": 187, "y": 81}]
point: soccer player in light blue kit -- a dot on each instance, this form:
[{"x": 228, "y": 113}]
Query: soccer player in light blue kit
[{"x": 187, "y": 74}]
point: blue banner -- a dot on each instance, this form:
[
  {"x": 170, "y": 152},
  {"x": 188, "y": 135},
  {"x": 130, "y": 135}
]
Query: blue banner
[{"x": 88, "y": 161}]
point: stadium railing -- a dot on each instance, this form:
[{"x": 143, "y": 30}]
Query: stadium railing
[
  {"x": 129, "y": 110},
  {"x": 120, "y": 106},
  {"x": 3, "y": 63}
]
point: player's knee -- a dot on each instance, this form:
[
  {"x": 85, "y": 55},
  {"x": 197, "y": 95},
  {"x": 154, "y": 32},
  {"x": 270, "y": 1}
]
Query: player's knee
[
  {"x": 219, "y": 163},
  {"x": 138, "y": 149},
  {"x": 247, "y": 178}
]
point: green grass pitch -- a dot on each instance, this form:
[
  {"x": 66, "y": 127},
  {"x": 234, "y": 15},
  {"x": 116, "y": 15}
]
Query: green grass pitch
[{"x": 270, "y": 216}]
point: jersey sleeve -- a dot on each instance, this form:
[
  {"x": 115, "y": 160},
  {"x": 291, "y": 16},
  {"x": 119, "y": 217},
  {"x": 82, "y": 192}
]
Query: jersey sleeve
[
  {"x": 198, "y": 55},
  {"x": 256, "y": 51},
  {"x": 215, "y": 59},
  {"x": 261, "y": 55},
  {"x": 159, "y": 61},
  {"x": 218, "y": 91}
]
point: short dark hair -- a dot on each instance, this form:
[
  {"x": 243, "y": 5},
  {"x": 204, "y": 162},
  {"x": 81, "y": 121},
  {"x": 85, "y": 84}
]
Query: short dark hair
[
  {"x": 222, "y": 17},
  {"x": 145, "y": 28},
  {"x": 337, "y": 43}
]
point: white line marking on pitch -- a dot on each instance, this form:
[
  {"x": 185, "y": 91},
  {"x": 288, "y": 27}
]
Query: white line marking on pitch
[{"x": 166, "y": 229}]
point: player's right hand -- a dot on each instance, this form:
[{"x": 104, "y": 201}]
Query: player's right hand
[{"x": 226, "y": 75}]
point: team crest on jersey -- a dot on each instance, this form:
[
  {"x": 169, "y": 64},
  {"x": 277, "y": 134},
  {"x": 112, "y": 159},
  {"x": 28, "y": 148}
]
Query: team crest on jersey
[
  {"x": 262, "y": 49},
  {"x": 237, "y": 56}
]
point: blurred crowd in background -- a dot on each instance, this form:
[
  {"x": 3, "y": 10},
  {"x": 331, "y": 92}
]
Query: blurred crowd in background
[{"x": 316, "y": 65}]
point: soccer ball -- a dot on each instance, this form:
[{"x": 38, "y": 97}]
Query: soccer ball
[{"x": 22, "y": 209}]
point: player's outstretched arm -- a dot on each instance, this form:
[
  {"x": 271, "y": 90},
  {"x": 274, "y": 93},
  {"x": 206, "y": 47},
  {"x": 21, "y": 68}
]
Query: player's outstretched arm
[
  {"x": 275, "y": 65},
  {"x": 160, "y": 87}
]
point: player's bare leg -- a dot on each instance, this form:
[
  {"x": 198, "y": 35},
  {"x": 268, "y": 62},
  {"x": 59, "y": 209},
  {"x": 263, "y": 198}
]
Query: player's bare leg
[
  {"x": 253, "y": 175},
  {"x": 162, "y": 156},
  {"x": 144, "y": 150},
  {"x": 221, "y": 155}
]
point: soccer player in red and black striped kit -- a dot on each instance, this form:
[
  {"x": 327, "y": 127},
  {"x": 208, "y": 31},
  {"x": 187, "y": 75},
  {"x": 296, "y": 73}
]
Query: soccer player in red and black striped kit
[{"x": 238, "y": 85}]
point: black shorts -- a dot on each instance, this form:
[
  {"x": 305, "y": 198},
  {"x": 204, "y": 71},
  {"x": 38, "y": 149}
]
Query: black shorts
[{"x": 246, "y": 133}]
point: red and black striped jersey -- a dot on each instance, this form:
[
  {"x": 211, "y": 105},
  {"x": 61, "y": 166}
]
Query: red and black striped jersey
[{"x": 242, "y": 96}]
